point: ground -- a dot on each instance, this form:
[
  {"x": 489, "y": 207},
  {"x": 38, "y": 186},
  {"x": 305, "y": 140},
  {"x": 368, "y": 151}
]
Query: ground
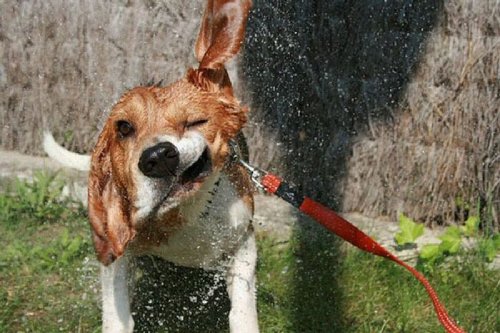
[{"x": 308, "y": 280}]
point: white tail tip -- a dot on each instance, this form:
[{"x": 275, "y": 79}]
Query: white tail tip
[{"x": 64, "y": 156}]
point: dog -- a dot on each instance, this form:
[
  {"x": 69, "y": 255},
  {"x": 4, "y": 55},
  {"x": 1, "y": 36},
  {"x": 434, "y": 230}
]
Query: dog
[{"x": 162, "y": 179}]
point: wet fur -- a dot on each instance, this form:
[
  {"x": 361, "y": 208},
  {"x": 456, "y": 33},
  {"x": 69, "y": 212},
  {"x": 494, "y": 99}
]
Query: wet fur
[{"x": 208, "y": 223}]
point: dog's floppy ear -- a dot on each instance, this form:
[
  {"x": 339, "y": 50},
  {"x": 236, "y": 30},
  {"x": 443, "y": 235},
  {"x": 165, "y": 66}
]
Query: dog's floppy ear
[
  {"x": 109, "y": 220},
  {"x": 222, "y": 32}
]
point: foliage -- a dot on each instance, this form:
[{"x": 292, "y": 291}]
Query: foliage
[
  {"x": 370, "y": 294},
  {"x": 451, "y": 242},
  {"x": 58, "y": 252},
  {"x": 44, "y": 286},
  {"x": 48, "y": 284},
  {"x": 489, "y": 247},
  {"x": 471, "y": 226},
  {"x": 409, "y": 231},
  {"x": 40, "y": 199}
]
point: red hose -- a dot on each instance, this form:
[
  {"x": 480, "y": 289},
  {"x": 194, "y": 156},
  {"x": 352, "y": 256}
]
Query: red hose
[{"x": 341, "y": 227}]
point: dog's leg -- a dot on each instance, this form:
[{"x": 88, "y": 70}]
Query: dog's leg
[
  {"x": 241, "y": 289},
  {"x": 116, "y": 316}
]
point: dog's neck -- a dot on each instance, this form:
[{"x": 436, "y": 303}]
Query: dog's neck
[{"x": 212, "y": 221}]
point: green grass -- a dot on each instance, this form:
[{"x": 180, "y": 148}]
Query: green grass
[
  {"x": 44, "y": 284},
  {"x": 312, "y": 283},
  {"x": 362, "y": 293}
]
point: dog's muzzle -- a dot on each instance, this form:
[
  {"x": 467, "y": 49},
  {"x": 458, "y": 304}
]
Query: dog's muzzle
[
  {"x": 187, "y": 162},
  {"x": 200, "y": 168},
  {"x": 159, "y": 161}
]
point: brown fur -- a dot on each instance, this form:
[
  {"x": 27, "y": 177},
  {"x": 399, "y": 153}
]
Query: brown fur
[
  {"x": 239, "y": 177},
  {"x": 157, "y": 232},
  {"x": 205, "y": 93}
]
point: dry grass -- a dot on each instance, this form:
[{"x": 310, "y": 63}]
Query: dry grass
[
  {"x": 372, "y": 106},
  {"x": 68, "y": 61},
  {"x": 383, "y": 107},
  {"x": 317, "y": 71},
  {"x": 444, "y": 146}
]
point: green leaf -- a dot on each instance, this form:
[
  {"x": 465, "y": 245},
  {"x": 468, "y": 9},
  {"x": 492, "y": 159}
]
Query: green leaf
[
  {"x": 409, "y": 230},
  {"x": 64, "y": 239},
  {"x": 496, "y": 241},
  {"x": 451, "y": 240},
  {"x": 488, "y": 248},
  {"x": 430, "y": 252},
  {"x": 471, "y": 226},
  {"x": 68, "y": 135},
  {"x": 75, "y": 245}
]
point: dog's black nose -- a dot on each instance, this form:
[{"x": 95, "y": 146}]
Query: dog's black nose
[{"x": 159, "y": 161}]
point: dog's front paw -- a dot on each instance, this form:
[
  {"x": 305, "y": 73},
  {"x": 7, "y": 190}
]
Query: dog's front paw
[
  {"x": 126, "y": 326},
  {"x": 243, "y": 321}
]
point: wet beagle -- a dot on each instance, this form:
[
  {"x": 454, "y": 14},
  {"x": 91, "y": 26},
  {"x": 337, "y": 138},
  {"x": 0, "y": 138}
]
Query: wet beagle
[{"x": 161, "y": 179}]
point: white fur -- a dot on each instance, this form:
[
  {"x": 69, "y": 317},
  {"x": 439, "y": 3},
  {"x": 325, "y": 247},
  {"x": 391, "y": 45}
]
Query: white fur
[
  {"x": 190, "y": 147},
  {"x": 241, "y": 289},
  {"x": 116, "y": 316},
  {"x": 202, "y": 242},
  {"x": 151, "y": 192},
  {"x": 64, "y": 156}
]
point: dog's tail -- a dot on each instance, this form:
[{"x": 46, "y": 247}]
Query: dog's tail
[{"x": 64, "y": 156}]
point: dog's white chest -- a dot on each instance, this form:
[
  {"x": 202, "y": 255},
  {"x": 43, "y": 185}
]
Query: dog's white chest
[{"x": 217, "y": 222}]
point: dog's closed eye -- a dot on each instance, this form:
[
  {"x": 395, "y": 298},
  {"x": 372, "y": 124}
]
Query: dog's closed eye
[
  {"x": 125, "y": 129},
  {"x": 195, "y": 123}
]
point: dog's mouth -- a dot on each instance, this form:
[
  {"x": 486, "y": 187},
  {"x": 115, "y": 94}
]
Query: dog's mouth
[
  {"x": 185, "y": 184},
  {"x": 199, "y": 169},
  {"x": 191, "y": 179}
]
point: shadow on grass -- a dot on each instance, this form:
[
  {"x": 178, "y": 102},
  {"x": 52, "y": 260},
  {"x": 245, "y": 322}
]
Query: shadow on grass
[
  {"x": 192, "y": 300},
  {"x": 319, "y": 73},
  {"x": 316, "y": 295},
  {"x": 177, "y": 298}
]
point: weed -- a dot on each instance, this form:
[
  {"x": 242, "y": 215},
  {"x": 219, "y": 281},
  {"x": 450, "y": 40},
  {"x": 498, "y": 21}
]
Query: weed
[
  {"x": 371, "y": 294},
  {"x": 451, "y": 244},
  {"x": 471, "y": 226},
  {"x": 489, "y": 247},
  {"x": 409, "y": 231},
  {"x": 451, "y": 241},
  {"x": 39, "y": 199},
  {"x": 42, "y": 288}
]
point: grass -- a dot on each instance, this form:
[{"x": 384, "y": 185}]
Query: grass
[
  {"x": 311, "y": 283},
  {"x": 45, "y": 284},
  {"x": 371, "y": 294}
]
